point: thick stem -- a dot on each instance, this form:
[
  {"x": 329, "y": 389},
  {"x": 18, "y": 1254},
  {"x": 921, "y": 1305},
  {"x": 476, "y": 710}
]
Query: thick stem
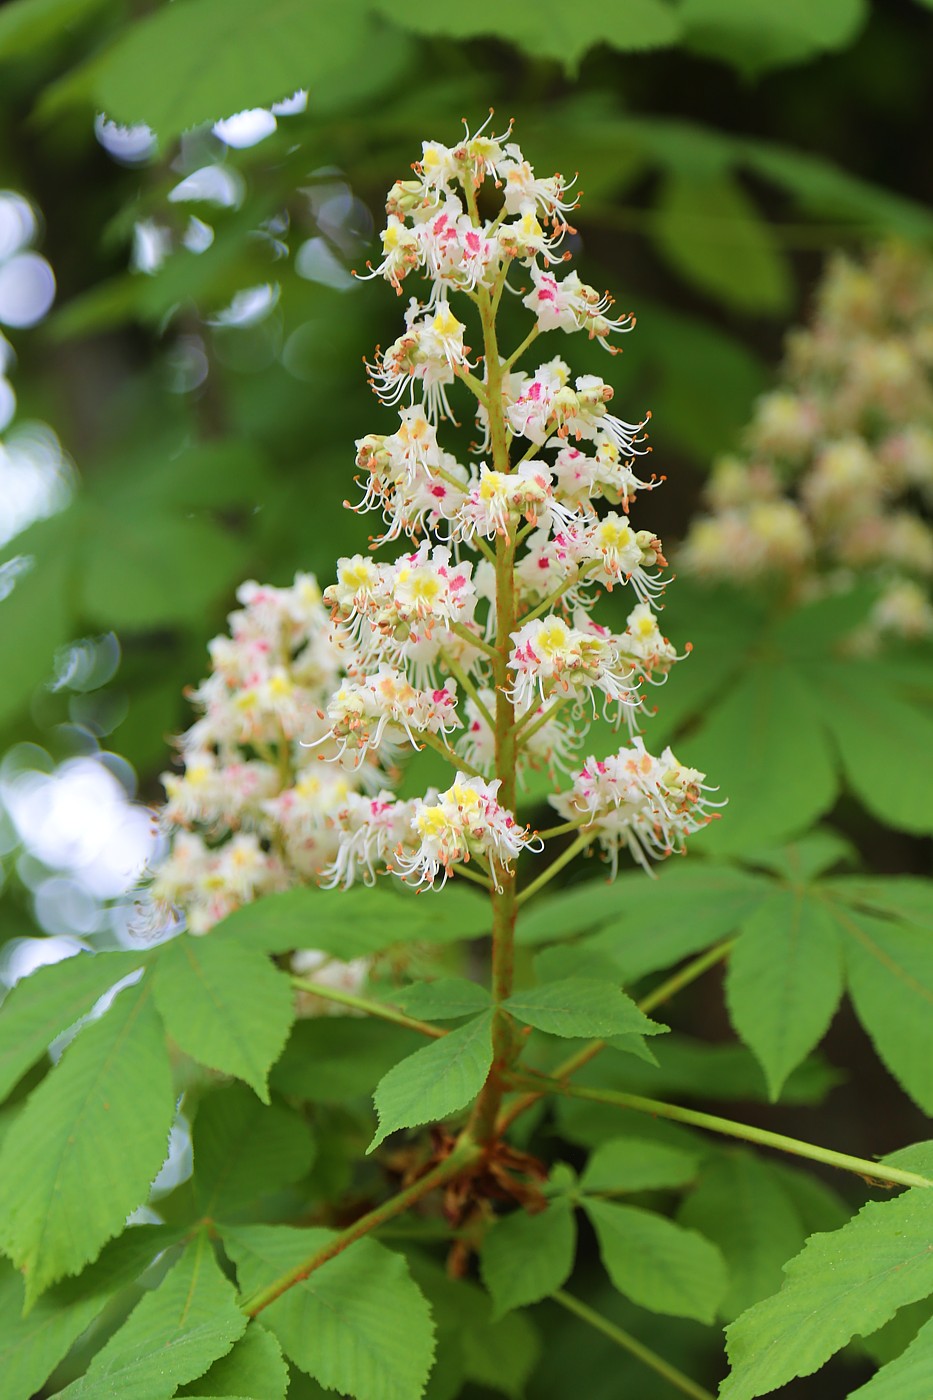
[
  {"x": 504, "y": 902},
  {"x": 637, "y": 1349},
  {"x": 462, "y": 1157},
  {"x": 369, "y": 1007},
  {"x": 710, "y": 1122}
]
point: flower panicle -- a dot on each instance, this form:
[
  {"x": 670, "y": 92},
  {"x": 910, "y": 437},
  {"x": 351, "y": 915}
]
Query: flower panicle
[{"x": 316, "y": 701}]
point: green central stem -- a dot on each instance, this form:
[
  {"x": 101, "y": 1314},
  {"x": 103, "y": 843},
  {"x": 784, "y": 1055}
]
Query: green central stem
[{"x": 504, "y": 903}]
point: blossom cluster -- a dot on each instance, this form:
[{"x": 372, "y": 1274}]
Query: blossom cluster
[
  {"x": 837, "y": 467},
  {"x": 253, "y": 809},
  {"x": 478, "y": 640}
]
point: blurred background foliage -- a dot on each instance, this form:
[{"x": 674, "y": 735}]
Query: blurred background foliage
[{"x": 186, "y": 411}]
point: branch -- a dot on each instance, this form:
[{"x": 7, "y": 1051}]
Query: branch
[
  {"x": 637, "y": 1349},
  {"x": 762, "y": 1137},
  {"x": 453, "y": 758},
  {"x": 463, "y": 1156},
  {"x": 378, "y": 1009},
  {"x": 583, "y": 840},
  {"x": 662, "y": 993}
]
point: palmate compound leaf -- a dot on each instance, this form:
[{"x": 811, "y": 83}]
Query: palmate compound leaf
[
  {"x": 845, "y": 1283},
  {"x": 784, "y": 982},
  {"x": 91, "y": 1138},
  {"x": 172, "y": 1335},
  {"x": 358, "y": 1324},
  {"x": 436, "y": 1080},
  {"x": 890, "y": 977},
  {"x": 581, "y": 1006},
  {"x": 225, "y": 1005},
  {"x": 657, "y": 1264},
  {"x": 254, "y": 1366},
  {"x": 525, "y": 1258},
  {"x": 31, "y": 1346},
  {"x": 908, "y": 1377},
  {"x": 50, "y": 1001},
  {"x": 243, "y": 1148}
]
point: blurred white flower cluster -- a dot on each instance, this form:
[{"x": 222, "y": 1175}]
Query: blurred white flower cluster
[
  {"x": 255, "y": 808},
  {"x": 477, "y": 641},
  {"x": 837, "y": 468}
]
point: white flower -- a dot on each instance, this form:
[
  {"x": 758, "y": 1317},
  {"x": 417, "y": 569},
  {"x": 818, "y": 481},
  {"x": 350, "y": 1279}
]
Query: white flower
[
  {"x": 361, "y": 711},
  {"x": 570, "y": 305},
  {"x": 452, "y": 826},
  {"x": 551, "y": 657},
  {"x": 650, "y": 805}
]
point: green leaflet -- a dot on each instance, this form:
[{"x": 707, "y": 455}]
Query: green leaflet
[
  {"x": 525, "y": 1258},
  {"x": 712, "y": 233},
  {"x": 358, "y": 1324},
  {"x": 48, "y": 1002},
  {"x": 254, "y": 1366},
  {"x": 147, "y": 74},
  {"x": 26, "y": 24},
  {"x": 172, "y": 1335},
  {"x": 243, "y": 1149},
  {"x": 909, "y": 1377},
  {"x": 754, "y": 36},
  {"x": 36, "y": 614},
  {"x": 225, "y": 1005},
  {"x": 801, "y": 861},
  {"x": 767, "y": 736},
  {"x": 156, "y": 569},
  {"x": 890, "y": 973},
  {"x": 353, "y": 923},
  {"x": 580, "y": 1006},
  {"x": 471, "y": 1346},
  {"x": 842, "y": 1284},
  {"x": 435, "y": 1081},
  {"x": 84, "y": 1150},
  {"x": 885, "y": 743},
  {"x": 645, "y": 925},
  {"x": 547, "y": 30},
  {"x": 329, "y": 1059},
  {"x": 638, "y": 1164},
  {"x": 784, "y": 982},
  {"x": 904, "y": 897},
  {"x": 442, "y": 1000},
  {"x": 658, "y": 1264},
  {"x": 31, "y": 1346},
  {"x": 742, "y": 1205}
]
